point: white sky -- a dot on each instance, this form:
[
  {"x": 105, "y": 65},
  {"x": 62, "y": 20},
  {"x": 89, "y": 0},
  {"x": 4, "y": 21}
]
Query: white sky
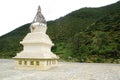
[{"x": 14, "y": 13}]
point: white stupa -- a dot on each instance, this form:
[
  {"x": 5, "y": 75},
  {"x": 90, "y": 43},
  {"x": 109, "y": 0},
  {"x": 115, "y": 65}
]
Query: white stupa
[{"x": 37, "y": 45}]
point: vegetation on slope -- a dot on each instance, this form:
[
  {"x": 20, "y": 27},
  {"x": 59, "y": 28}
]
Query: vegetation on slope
[
  {"x": 9, "y": 43},
  {"x": 85, "y": 35}
]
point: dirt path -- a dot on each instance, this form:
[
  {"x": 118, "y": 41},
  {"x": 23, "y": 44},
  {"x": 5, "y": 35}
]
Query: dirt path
[{"x": 64, "y": 71}]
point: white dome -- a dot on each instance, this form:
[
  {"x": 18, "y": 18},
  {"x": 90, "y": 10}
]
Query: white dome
[
  {"x": 38, "y": 27},
  {"x": 37, "y": 37}
]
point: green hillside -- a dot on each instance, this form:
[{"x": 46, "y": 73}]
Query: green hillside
[{"x": 85, "y": 35}]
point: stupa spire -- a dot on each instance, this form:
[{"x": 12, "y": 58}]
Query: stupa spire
[{"x": 39, "y": 17}]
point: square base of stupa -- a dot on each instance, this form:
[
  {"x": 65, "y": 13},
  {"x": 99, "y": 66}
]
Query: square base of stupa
[{"x": 34, "y": 64}]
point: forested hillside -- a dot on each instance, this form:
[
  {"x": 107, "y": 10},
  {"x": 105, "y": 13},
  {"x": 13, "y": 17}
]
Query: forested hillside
[{"x": 85, "y": 35}]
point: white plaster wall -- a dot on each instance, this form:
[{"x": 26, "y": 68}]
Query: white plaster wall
[{"x": 37, "y": 48}]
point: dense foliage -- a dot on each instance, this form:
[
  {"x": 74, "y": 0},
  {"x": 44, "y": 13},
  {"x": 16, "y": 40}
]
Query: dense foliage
[{"x": 85, "y": 35}]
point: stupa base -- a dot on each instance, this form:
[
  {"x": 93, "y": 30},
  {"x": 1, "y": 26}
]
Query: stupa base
[{"x": 34, "y": 64}]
